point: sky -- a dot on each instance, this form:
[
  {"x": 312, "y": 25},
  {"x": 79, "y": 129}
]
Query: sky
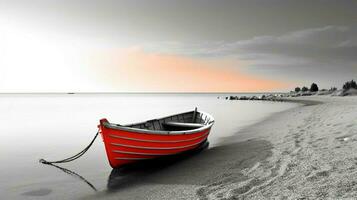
[{"x": 176, "y": 45}]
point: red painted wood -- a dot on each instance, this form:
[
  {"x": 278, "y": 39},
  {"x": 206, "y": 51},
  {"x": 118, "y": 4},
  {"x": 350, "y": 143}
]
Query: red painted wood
[{"x": 124, "y": 147}]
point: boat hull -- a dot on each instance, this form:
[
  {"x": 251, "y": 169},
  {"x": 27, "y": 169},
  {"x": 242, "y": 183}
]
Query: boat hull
[{"x": 126, "y": 146}]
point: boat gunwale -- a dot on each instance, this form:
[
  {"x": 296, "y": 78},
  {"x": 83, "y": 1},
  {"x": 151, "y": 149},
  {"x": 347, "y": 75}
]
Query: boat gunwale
[
  {"x": 133, "y": 124},
  {"x": 158, "y": 132}
]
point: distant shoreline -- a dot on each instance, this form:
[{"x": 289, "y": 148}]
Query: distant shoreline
[{"x": 220, "y": 93}]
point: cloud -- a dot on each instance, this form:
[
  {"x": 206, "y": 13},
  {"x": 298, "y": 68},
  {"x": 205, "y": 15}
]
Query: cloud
[
  {"x": 300, "y": 55},
  {"x": 327, "y": 55},
  {"x": 316, "y": 43},
  {"x": 330, "y": 42}
]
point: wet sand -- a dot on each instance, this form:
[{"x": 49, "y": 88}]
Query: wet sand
[{"x": 306, "y": 152}]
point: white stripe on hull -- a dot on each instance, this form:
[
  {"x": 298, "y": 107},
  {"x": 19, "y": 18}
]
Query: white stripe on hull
[
  {"x": 146, "y": 154},
  {"x": 162, "y": 148},
  {"x": 158, "y": 141},
  {"x": 117, "y": 158}
]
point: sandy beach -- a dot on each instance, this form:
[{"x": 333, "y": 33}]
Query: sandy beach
[
  {"x": 313, "y": 153},
  {"x": 306, "y": 152}
]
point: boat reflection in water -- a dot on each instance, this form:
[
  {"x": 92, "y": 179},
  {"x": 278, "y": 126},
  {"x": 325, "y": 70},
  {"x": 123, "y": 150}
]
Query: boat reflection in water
[
  {"x": 126, "y": 176},
  {"x": 74, "y": 174}
]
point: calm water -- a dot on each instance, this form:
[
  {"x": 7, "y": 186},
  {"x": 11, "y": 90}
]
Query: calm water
[{"x": 57, "y": 126}]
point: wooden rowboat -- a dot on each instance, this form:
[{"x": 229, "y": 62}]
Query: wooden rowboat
[{"x": 155, "y": 138}]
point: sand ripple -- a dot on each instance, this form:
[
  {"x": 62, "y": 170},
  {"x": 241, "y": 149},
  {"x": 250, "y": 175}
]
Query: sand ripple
[{"x": 314, "y": 156}]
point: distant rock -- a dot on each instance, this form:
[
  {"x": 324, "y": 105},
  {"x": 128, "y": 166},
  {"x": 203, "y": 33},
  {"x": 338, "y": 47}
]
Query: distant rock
[
  {"x": 253, "y": 98},
  {"x": 233, "y": 98},
  {"x": 262, "y": 97},
  {"x": 243, "y": 98}
]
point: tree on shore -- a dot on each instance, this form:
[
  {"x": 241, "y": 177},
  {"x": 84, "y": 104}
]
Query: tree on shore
[
  {"x": 314, "y": 87},
  {"x": 304, "y": 89},
  {"x": 349, "y": 85},
  {"x": 297, "y": 89}
]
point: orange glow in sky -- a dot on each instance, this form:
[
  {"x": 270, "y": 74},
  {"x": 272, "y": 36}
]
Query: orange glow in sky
[{"x": 134, "y": 70}]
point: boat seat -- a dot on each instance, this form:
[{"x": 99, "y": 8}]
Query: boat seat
[{"x": 180, "y": 126}]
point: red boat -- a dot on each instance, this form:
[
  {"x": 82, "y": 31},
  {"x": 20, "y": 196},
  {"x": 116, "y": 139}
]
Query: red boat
[{"x": 155, "y": 138}]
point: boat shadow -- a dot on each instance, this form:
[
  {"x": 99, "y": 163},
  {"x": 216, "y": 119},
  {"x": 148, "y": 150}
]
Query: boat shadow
[
  {"x": 130, "y": 175},
  {"x": 199, "y": 168}
]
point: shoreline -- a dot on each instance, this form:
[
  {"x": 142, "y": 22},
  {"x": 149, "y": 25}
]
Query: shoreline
[
  {"x": 245, "y": 133},
  {"x": 305, "y": 102},
  {"x": 292, "y": 154}
]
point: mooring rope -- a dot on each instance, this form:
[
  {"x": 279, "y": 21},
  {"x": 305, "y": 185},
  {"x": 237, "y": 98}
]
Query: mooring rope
[{"x": 43, "y": 161}]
